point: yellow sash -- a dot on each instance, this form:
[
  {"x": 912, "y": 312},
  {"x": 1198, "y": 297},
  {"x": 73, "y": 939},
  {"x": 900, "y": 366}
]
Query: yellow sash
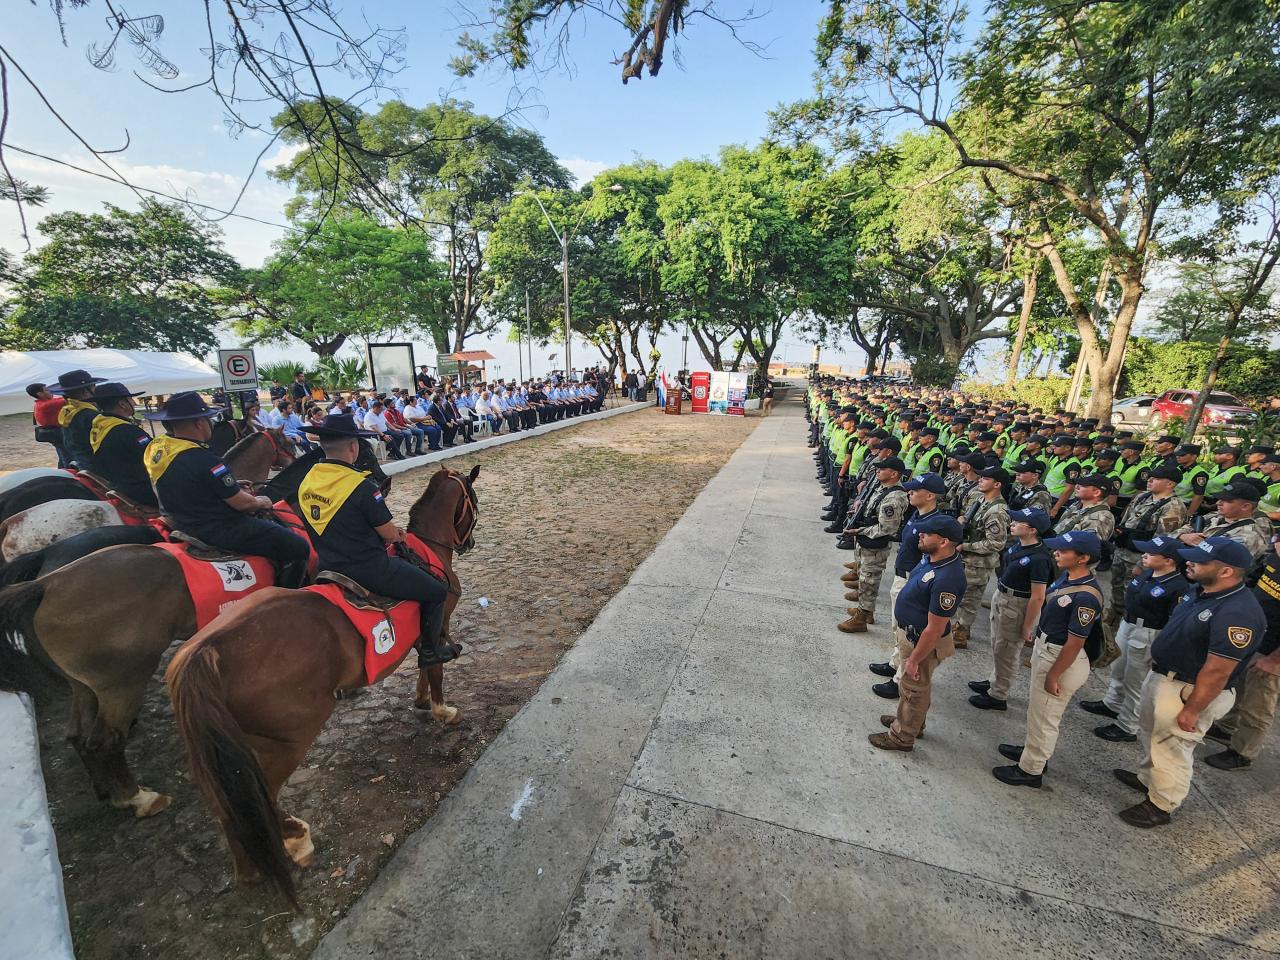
[
  {"x": 161, "y": 453},
  {"x": 101, "y": 426},
  {"x": 70, "y": 409},
  {"x": 324, "y": 490}
]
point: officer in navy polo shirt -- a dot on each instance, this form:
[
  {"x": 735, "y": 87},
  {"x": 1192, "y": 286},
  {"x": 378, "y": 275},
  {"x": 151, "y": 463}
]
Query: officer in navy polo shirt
[
  {"x": 923, "y": 494},
  {"x": 1197, "y": 661},
  {"x": 922, "y": 616},
  {"x": 1149, "y": 599}
]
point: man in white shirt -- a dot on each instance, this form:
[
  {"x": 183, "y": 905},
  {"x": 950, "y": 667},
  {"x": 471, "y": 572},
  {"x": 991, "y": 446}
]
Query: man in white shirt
[{"x": 376, "y": 421}]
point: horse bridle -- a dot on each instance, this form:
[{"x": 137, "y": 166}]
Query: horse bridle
[
  {"x": 275, "y": 448},
  {"x": 467, "y": 512}
]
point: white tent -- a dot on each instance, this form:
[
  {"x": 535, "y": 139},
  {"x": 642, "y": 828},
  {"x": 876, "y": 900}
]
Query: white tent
[{"x": 137, "y": 369}]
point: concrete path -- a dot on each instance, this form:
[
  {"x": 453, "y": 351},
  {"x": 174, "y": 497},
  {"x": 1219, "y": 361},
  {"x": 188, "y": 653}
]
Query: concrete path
[{"x": 694, "y": 781}]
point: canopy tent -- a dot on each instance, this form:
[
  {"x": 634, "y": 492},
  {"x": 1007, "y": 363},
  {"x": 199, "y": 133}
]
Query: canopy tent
[{"x": 137, "y": 369}]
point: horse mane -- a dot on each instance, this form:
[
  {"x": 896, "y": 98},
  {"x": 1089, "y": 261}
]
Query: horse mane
[{"x": 243, "y": 442}]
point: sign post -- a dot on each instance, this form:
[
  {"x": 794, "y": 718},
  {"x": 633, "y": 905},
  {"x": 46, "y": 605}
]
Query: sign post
[{"x": 239, "y": 371}]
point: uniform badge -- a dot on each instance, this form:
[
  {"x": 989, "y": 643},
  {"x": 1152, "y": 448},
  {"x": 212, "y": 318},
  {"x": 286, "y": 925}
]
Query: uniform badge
[
  {"x": 1085, "y": 615},
  {"x": 1024, "y": 561},
  {"x": 1064, "y": 601},
  {"x": 887, "y": 511},
  {"x": 1204, "y": 615},
  {"x": 1156, "y": 591},
  {"x": 946, "y": 600},
  {"x": 1240, "y": 637},
  {"x": 927, "y": 577}
]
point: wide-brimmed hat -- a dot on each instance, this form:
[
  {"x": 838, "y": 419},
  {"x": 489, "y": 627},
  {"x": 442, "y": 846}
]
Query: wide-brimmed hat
[
  {"x": 187, "y": 405},
  {"x": 338, "y": 425},
  {"x": 73, "y": 380},
  {"x": 112, "y": 390}
]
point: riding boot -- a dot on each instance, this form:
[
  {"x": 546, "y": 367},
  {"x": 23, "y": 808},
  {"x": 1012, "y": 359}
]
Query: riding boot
[
  {"x": 291, "y": 575},
  {"x": 430, "y": 650}
]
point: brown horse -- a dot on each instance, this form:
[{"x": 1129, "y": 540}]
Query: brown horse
[{"x": 252, "y": 690}]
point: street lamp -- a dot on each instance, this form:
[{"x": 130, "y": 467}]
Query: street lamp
[{"x": 564, "y": 269}]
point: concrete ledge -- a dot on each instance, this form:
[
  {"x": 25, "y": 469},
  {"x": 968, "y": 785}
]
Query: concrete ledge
[
  {"x": 462, "y": 450},
  {"x": 33, "y": 908}
]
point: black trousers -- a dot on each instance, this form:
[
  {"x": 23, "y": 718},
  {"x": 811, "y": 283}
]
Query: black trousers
[
  {"x": 260, "y": 538},
  {"x": 401, "y": 580}
]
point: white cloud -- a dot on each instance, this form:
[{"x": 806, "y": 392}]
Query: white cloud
[
  {"x": 284, "y": 153},
  {"x": 584, "y": 171}
]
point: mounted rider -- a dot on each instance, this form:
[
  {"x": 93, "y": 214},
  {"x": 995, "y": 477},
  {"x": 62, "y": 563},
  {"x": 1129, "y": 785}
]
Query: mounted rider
[
  {"x": 350, "y": 525},
  {"x": 118, "y": 444},
  {"x": 77, "y": 414},
  {"x": 204, "y": 498}
]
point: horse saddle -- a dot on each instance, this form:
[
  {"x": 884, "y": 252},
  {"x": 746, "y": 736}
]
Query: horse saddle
[
  {"x": 197, "y": 549},
  {"x": 101, "y": 488},
  {"x": 354, "y": 594}
]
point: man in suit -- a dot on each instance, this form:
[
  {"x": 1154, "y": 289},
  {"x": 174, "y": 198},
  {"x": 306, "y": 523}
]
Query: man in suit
[{"x": 440, "y": 416}]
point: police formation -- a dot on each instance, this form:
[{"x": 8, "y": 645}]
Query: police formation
[{"x": 951, "y": 492}]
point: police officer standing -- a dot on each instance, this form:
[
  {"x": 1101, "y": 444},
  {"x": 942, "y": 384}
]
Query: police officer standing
[
  {"x": 1197, "y": 662},
  {"x": 351, "y": 525},
  {"x": 1246, "y": 726},
  {"x": 923, "y": 494},
  {"x": 1026, "y": 568},
  {"x": 1154, "y": 511},
  {"x": 1089, "y": 509},
  {"x": 1149, "y": 598},
  {"x": 118, "y": 445},
  {"x": 986, "y": 530},
  {"x": 1028, "y": 492},
  {"x": 203, "y": 497},
  {"x": 1236, "y": 505},
  {"x": 922, "y": 631},
  {"x": 1072, "y": 609},
  {"x": 886, "y": 509}
]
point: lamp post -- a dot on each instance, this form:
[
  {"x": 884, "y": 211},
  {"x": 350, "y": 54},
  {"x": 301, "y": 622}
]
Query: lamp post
[{"x": 564, "y": 271}]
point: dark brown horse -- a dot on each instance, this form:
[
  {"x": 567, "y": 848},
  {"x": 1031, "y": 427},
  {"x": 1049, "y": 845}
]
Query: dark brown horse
[{"x": 252, "y": 690}]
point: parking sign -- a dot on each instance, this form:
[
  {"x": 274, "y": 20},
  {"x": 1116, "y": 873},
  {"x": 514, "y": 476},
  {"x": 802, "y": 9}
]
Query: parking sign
[{"x": 239, "y": 370}]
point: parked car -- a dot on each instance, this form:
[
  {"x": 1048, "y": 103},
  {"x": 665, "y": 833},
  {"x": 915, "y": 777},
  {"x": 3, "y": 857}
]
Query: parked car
[
  {"x": 1221, "y": 410},
  {"x": 1133, "y": 411}
]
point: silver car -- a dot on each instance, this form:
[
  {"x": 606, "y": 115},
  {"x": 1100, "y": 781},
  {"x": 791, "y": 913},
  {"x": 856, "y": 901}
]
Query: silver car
[{"x": 1133, "y": 411}]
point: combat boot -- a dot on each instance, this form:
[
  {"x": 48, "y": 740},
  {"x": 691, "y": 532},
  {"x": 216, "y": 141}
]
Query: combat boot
[
  {"x": 960, "y": 637},
  {"x": 856, "y": 623},
  {"x": 852, "y": 567},
  {"x": 849, "y": 577}
]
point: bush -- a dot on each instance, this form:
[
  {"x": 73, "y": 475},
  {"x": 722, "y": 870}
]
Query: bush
[
  {"x": 1049, "y": 394},
  {"x": 283, "y": 370}
]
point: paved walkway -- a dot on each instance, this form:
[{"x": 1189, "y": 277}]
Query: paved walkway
[{"x": 694, "y": 781}]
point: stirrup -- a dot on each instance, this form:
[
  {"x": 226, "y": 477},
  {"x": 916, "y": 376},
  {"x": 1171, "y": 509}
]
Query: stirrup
[{"x": 435, "y": 656}]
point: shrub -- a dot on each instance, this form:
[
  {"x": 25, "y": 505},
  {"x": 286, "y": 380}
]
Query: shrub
[{"x": 1048, "y": 394}]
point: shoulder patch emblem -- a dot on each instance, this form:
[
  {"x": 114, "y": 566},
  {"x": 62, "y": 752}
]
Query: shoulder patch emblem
[
  {"x": 1085, "y": 615},
  {"x": 927, "y": 577},
  {"x": 1240, "y": 637},
  {"x": 1024, "y": 561},
  {"x": 946, "y": 600},
  {"x": 887, "y": 510}
]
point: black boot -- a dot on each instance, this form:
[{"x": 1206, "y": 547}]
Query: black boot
[{"x": 430, "y": 650}]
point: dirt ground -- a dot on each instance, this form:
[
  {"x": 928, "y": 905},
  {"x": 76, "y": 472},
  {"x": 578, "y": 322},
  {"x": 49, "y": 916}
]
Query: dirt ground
[
  {"x": 564, "y": 520},
  {"x": 18, "y": 448}
]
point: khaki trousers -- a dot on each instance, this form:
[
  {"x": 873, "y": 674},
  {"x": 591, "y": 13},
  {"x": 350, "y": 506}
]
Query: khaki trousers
[
  {"x": 977, "y": 571},
  {"x": 894, "y": 660},
  {"x": 1045, "y": 710},
  {"x": 1167, "y": 749},
  {"x": 1122, "y": 564},
  {"x": 1129, "y": 672},
  {"x": 913, "y": 704},
  {"x": 1007, "y": 613},
  {"x": 871, "y": 564},
  {"x": 1251, "y": 717}
]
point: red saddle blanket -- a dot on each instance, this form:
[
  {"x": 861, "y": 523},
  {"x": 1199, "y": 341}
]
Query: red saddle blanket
[
  {"x": 387, "y": 635},
  {"x": 218, "y": 585}
]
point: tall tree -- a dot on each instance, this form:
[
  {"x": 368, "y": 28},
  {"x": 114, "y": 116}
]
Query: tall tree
[
  {"x": 128, "y": 279},
  {"x": 350, "y": 277},
  {"x": 443, "y": 170},
  {"x": 1112, "y": 114}
]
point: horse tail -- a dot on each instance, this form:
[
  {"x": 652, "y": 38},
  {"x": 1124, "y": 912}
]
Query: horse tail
[
  {"x": 21, "y": 569},
  {"x": 225, "y": 769},
  {"x": 21, "y": 669}
]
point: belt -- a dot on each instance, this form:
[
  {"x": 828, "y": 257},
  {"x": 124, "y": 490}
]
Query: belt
[
  {"x": 1024, "y": 594},
  {"x": 913, "y": 633},
  {"x": 1145, "y": 623},
  {"x": 1173, "y": 674}
]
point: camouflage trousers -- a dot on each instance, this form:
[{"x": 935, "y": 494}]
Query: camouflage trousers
[
  {"x": 977, "y": 571},
  {"x": 871, "y": 564}
]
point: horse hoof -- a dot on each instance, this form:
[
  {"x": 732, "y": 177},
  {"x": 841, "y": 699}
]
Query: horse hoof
[
  {"x": 450, "y": 716},
  {"x": 146, "y": 803}
]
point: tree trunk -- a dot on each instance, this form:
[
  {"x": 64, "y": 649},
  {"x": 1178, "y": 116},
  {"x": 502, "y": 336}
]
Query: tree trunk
[
  {"x": 1108, "y": 370},
  {"x": 1029, "y": 283}
]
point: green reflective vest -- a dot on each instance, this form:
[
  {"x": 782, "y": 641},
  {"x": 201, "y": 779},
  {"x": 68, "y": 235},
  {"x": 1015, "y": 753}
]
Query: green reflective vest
[
  {"x": 1219, "y": 478},
  {"x": 1184, "y": 491},
  {"x": 1055, "y": 478}
]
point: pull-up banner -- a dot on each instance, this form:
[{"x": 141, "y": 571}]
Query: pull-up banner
[{"x": 700, "y": 391}]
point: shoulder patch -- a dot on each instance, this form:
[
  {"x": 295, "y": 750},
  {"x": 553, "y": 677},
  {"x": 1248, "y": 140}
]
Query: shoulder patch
[
  {"x": 1240, "y": 637},
  {"x": 1085, "y": 615},
  {"x": 946, "y": 600}
]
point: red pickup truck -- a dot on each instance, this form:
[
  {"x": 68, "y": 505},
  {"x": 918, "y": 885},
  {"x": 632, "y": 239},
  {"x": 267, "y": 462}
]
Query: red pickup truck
[{"x": 1222, "y": 409}]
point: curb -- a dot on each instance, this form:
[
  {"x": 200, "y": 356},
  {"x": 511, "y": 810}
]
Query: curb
[
  {"x": 33, "y": 907},
  {"x": 400, "y": 466}
]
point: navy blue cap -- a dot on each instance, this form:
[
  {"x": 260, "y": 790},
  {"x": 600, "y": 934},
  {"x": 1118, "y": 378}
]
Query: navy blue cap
[
  {"x": 1081, "y": 541},
  {"x": 927, "y": 481},
  {"x": 1222, "y": 549},
  {"x": 943, "y": 525},
  {"x": 1033, "y": 516},
  {"x": 1164, "y": 546}
]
